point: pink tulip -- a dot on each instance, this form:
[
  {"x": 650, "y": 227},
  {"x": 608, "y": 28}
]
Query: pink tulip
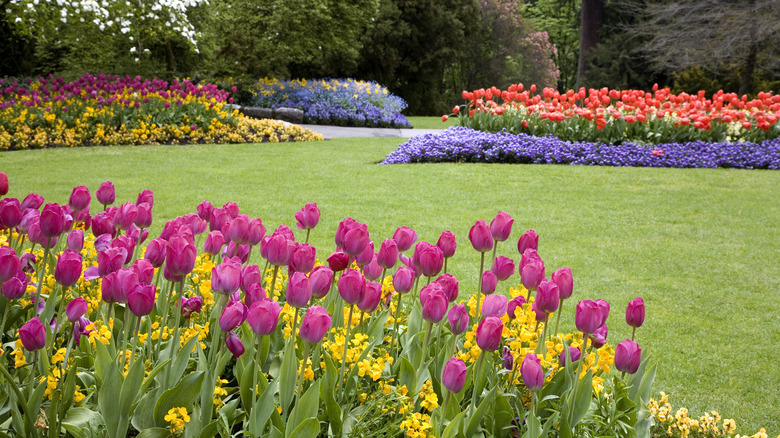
[
  {"x": 574, "y": 355},
  {"x": 489, "y": 333},
  {"x": 489, "y": 282},
  {"x": 454, "y": 375},
  {"x": 298, "y": 290},
  {"x": 531, "y": 370},
  {"x": 373, "y": 271},
  {"x": 351, "y": 286},
  {"x": 388, "y": 254},
  {"x": 404, "y": 238},
  {"x": 254, "y": 292},
  {"x": 480, "y": 237},
  {"x": 33, "y": 334},
  {"x": 106, "y": 194},
  {"x": 103, "y": 223},
  {"x": 234, "y": 344},
  {"x": 280, "y": 251},
  {"x": 366, "y": 255},
  {"x": 503, "y": 267},
  {"x": 190, "y": 306},
  {"x": 449, "y": 284},
  {"x": 263, "y": 317},
  {"x": 562, "y": 277},
  {"x": 547, "y": 296},
  {"x": 76, "y": 309},
  {"x": 226, "y": 277},
  {"x": 143, "y": 217},
  {"x": 529, "y": 239},
  {"x": 635, "y": 312},
  {"x": 303, "y": 258},
  {"x": 256, "y": 231},
  {"x": 79, "y": 198},
  {"x": 308, "y": 217},
  {"x": 458, "y": 318},
  {"x": 204, "y": 210},
  {"x": 431, "y": 259},
  {"x": 68, "y": 268},
  {"x": 321, "y": 278},
  {"x": 141, "y": 299},
  {"x": 501, "y": 226},
  {"x": 9, "y": 263},
  {"x": 316, "y": 323},
  {"x": 494, "y": 305},
  {"x": 532, "y": 274},
  {"x": 52, "y": 220},
  {"x": 238, "y": 229},
  {"x": 434, "y": 302},
  {"x": 599, "y": 337},
  {"x": 3, "y": 184},
  {"x": 232, "y": 316},
  {"x": 231, "y": 208},
  {"x": 125, "y": 216},
  {"x": 372, "y": 294},
  {"x": 32, "y": 200},
  {"x": 628, "y": 356},
  {"x": 403, "y": 280},
  {"x": 146, "y": 196},
  {"x": 356, "y": 240},
  {"x": 180, "y": 256},
  {"x": 126, "y": 243},
  {"x": 214, "y": 242},
  {"x": 155, "y": 252},
  {"x": 338, "y": 261},
  {"x": 15, "y": 287},
  {"x": 447, "y": 244},
  {"x": 75, "y": 240},
  {"x": 10, "y": 212},
  {"x": 513, "y": 305}
]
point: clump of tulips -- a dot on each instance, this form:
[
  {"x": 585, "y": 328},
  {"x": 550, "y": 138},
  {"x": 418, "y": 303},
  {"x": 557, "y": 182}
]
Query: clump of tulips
[{"x": 187, "y": 334}]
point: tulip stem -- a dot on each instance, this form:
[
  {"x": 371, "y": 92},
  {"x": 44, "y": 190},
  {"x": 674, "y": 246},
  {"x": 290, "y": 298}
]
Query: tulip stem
[
  {"x": 2, "y": 321},
  {"x": 40, "y": 279},
  {"x": 308, "y": 230},
  {"x": 121, "y": 353},
  {"x": 427, "y": 347},
  {"x": 166, "y": 310},
  {"x": 306, "y": 348},
  {"x": 633, "y": 332},
  {"x": 445, "y": 264},
  {"x": 177, "y": 321},
  {"x": 272, "y": 286},
  {"x": 558, "y": 318},
  {"x": 258, "y": 369},
  {"x": 395, "y": 325},
  {"x": 479, "y": 289},
  {"x": 346, "y": 347},
  {"x": 442, "y": 412},
  {"x": 541, "y": 346},
  {"x": 135, "y": 339},
  {"x": 474, "y": 392},
  {"x": 67, "y": 353}
]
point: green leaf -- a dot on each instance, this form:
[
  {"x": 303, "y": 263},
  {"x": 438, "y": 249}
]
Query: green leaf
[
  {"x": 135, "y": 377},
  {"x": 108, "y": 391},
  {"x": 407, "y": 375},
  {"x": 476, "y": 419},
  {"x": 581, "y": 402},
  {"x": 245, "y": 378},
  {"x": 183, "y": 394},
  {"x": 78, "y": 421},
  {"x": 264, "y": 408},
  {"x": 310, "y": 428},
  {"x": 502, "y": 416},
  {"x": 155, "y": 432},
  {"x": 180, "y": 363},
  {"x": 143, "y": 415},
  {"x": 332, "y": 408},
  {"x": 453, "y": 429},
  {"x": 534, "y": 427},
  {"x": 306, "y": 408},
  {"x": 288, "y": 374}
]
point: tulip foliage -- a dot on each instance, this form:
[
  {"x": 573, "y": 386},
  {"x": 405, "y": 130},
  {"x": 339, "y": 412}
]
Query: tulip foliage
[{"x": 218, "y": 327}]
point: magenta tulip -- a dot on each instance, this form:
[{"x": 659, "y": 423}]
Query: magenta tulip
[
  {"x": 279, "y": 250},
  {"x": 447, "y": 244},
  {"x": 373, "y": 271},
  {"x": 298, "y": 290},
  {"x": 434, "y": 302},
  {"x": 356, "y": 239},
  {"x": 513, "y": 305},
  {"x": 250, "y": 274},
  {"x": 529, "y": 239},
  {"x": 3, "y": 184},
  {"x": 156, "y": 252},
  {"x": 321, "y": 278},
  {"x": 256, "y": 231},
  {"x": 316, "y": 323},
  {"x": 388, "y": 254},
  {"x": 214, "y": 242},
  {"x": 52, "y": 221},
  {"x": 79, "y": 198},
  {"x": 231, "y": 208},
  {"x": 308, "y": 217},
  {"x": 15, "y": 287},
  {"x": 218, "y": 218},
  {"x": 141, "y": 299},
  {"x": 635, "y": 312},
  {"x": 489, "y": 333},
  {"x": 143, "y": 217},
  {"x": 33, "y": 334},
  {"x": 126, "y": 281},
  {"x": 103, "y": 223},
  {"x": 494, "y": 305},
  {"x": 146, "y": 196},
  {"x": 180, "y": 256},
  {"x": 106, "y": 194},
  {"x": 144, "y": 269},
  {"x": 532, "y": 274},
  {"x": 226, "y": 277},
  {"x": 126, "y": 243},
  {"x": 403, "y": 280},
  {"x": 125, "y": 216},
  {"x": 68, "y": 269},
  {"x": 372, "y": 294},
  {"x": 36, "y": 236},
  {"x": 480, "y": 236},
  {"x": 190, "y": 306},
  {"x": 547, "y": 296},
  {"x": 531, "y": 370},
  {"x": 338, "y": 261},
  {"x": 449, "y": 284},
  {"x": 75, "y": 240},
  {"x": 234, "y": 344},
  {"x": 351, "y": 286},
  {"x": 366, "y": 255},
  {"x": 9, "y": 263},
  {"x": 540, "y": 316},
  {"x": 108, "y": 287},
  {"x": 33, "y": 200},
  {"x": 404, "y": 238},
  {"x": 263, "y": 317},
  {"x": 509, "y": 360},
  {"x": 254, "y": 292},
  {"x": 111, "y": 260},
  {"x": 238, "y": 229},
  {"x": 302, "y": 259},
  {"x": 232, "y": 316},
  {"x": 599, "y": 337},
  {"x": 574, "y": 354},
  {"x": 458, "y": 318},
  {"x": 454, "y": 375},
  {"x": 628, "y": 355},
  {"x": 489, "y": 282},
  {"x": 204, "y": 210},
  {"x": 76, "y": 309},
  {"x": 10, "y": 212},
  {"x": 501, "y": 226},
  {"x": 503, "y": 267},
  {"x": 562, "y": 277},
  {"x": 431, "y": 259}
]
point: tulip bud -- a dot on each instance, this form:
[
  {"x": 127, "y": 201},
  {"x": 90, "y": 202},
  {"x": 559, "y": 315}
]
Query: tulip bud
[
  {"x": 351, "y": 286},
  {"x": 108, "y": 287},
  {"x": 76, "y": 309},
  {"x": 231, "y": 208},
  {"x": 403, "y": 280},
  {"x": 190, "y": 306},
  {"x": 302, "y": 259},
  {"x": 447, "y": 244},
  {"x": 226, "y": 277},
  {"x": 489, "y": 333},
  {"x": 143, "y": 217},
  {"x": 514, "y": 304},
  {"x": 449, "y": 284},
  {"x": 308, "y": 217},
  {"x": 180, "y": 256},
  {"x": 32, "y": 201},
  {"x": 126, "y": 281},
  {"x": 234, "y": 344},
  {"x": 434, "y": 302},
  {"x": 458, "y": 318},
  {"x": 111, "y": 260},
  {"x": 219, "y": 217},
  {"x": 509, "y": 360},
  {"x": 146, "y": 196},
  {"x": 204, "y": 210},
  {"x": 141, "y": 299},
  {"x": 75, "y": 240},
  {"x": 531, "y": 370},
  {"x": 126, "y": 243},
  {"x": 79, "y": 198},
  {"x": 454, "y": 375},
  {"x": 373, "y": 271},
  {"x": 431, "y": 259},
  {"x": 15, "y": 287},
  {"x": 125, "y": 216},
  {"x": 489, "y": 282},
  {"x": 562, "y": 277},
  {"x": 33, "y": 334},
  {"x": 547, "y": 297},
  {"x": 256, "y": 231},
  {"x": 540, "y": 316},
  {"x": 9, "y": 263},
  {"x": 574, "y": 354},
  {"x": 532, "y": 273},
  {"x": 3, "y": 184},
  {"x": 635, "y": 312},
  {"x": 233, "y": 316},
  {"x": 529, "y": 239},
  {"x": 316, "y": 323},
  {"x": 599, "y": 337},
  {"x": 280, "y": 251},
  {"x": 105, "y": 194},
  {"x": 52, "y": 220},
  {"x": 388, "y": 254},
  {"x": 404, "y": 238},
  {"x": 103, "y": 223},
  {"x": 503, "y": 267},
  {"x": 238, "y": 229},
  {"x": 254, "y": 292},
  {"x": 628, "y": 355},
  {"x": 366, "y": 255},
  {"x": 68, "y": 269},
  {"x": 501, "y": 226},
  {"x": 480, "y": 237},
  {"x": 320, "y": 278},
  {"x": 356, "y": 239},
  {"x": 494, "y": 305},
  {"x": 263, "y": 316},
  {"x": 10, "y": 212},
  {"x": 155, "y": 252},
  {"x": 298, "y": 290},
  {"x": 338, "y": 261}
]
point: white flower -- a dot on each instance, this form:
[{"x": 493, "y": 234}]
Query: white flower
[
  {"x": 132, "y": 49},
  {"x": 124, "y": 29}
]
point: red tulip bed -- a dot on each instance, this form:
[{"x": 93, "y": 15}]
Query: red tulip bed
[
  {"x": 111, "y": 110},
  {"x": 109, "y": 331},
  {"x": 606, "y": 128}
]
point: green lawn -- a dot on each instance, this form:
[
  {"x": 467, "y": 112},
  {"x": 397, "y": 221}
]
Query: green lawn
[
  {"x": 701, "y": 246},
  {"x": 431, "y": 122}
]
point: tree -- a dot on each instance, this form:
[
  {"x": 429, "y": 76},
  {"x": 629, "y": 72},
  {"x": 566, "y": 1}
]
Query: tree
[
  {"x": 717, "y": 35},
  {"x": 590, "y": 23},
  {"x": 560, "y": 19}
]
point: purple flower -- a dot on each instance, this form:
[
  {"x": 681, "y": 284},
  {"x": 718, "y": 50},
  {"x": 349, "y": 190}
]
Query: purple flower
[
  {"x": 68, "y": 269},
  {"x": 529, "y": 239},
  {"x": 480, "y": 237},
  {"x": 302, "y": 259},
  {"x": 351, "y": 286},
  {"x": 547, "y": 297},
  {"x": 106, "y": 194},
  {"x": 449, "y": 284},
  {"x": 226, "y": 277},
  {"x": 489, "y": 282},
  {"x": 562, "y": 277},
  {"x": 494, "y": 305},
  {"x": 316, "y": 322},
  {"x": 234, "y": 343},
  {"x": 9, "y": 263},
  {"x": 574, "y": 354},
  {"x": 489, "y": 333},
  {"x": 263, "y": 316},
  {"x": 76, "y": 309},
  {"x": 15, "y": 287},
  {"x": 434, "y": 302},
  {"x": 79, "y": 198},
  {"x": 403, "y": 280},
  {"x": 388, "y": 254},
  {"x": 10, "y": 212},
  {"x": 373, "y": 271},
  {"x": 628, "y": 355},
  {"x": 514, "y": 303},
  {"x": 447, "y": 243},
  {"x": 33, "y": 334},
  {"x": 232, "y": 316},
  {"x": 298, "y": 290},
  {"x": 372, "y": 294},
  {"x": 454, "y": 375},
  {"x": 635, "y": 312},
  {"x": 141, "y": 299},
  {"x": 531, "y": 370},
  {"x": 404, "y": 238},
  {"x": 503, "y": 267},
  {"x": 321, "y": 278},
  {"x": 190, "y": 306},
  {"x": 508, "y": 359},
  {"x": 458, "y": 319},
  {"x": 75, "y": 240}
]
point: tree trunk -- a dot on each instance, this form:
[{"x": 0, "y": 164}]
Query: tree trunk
[
  {"x": 750, "y": 67},
  {"x": 170, "y": 66},
  {"x": 590, "y": 23}
]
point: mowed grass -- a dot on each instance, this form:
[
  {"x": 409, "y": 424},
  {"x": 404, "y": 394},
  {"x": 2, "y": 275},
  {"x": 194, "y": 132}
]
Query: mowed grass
[
  {"x": 431, "y": 122},
  {"x": 700, "y": 246}
]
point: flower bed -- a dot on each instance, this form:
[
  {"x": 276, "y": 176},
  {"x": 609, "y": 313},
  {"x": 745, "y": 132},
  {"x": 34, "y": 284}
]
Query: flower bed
[
  {"x": 101, "y": 335},
  {"x": 460, "y": 144},
  {"x": 109, "y": 110},
  {"x": 342, "y": 102},
  {"x": 618, "y": 116}
]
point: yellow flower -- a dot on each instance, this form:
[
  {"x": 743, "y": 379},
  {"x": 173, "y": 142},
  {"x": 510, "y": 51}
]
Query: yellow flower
[{"x": 177, "y": 418}]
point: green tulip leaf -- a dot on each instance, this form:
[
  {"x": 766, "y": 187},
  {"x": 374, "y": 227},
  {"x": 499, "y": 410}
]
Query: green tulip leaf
[
  {"x": 155, "y": 432},
  {"x": 183, "y": 394},
  {"x": 264, "y": 408},
  {"x": 135, "y": 376},
  {"x": 476, "y": 419},
  {"x": 332, "y": 408},
  {"x": 407, "y": 375},
  {"x": 453, "y": 429},
  {"x": 288, "y": 374},
  {"x": 83, "y": 423},
  {"x": 582, "y": 400},
  {"x": 305, "y": 409}
]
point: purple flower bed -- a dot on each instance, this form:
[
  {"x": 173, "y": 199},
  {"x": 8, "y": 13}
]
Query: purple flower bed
[{"x": 460, "y": 144}]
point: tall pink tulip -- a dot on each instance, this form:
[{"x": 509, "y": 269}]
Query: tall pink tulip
[
  {"x": 263, "y": 317},
  {"x": 529, "y": 239},
  {"x": 68, "y": 268},
  {"x": 3, "y": 184},
  {"x": 180, "y": 256},
  {"x": 141, "y": 299},
  {"x": 79, "y": 198},
  {"x": 388, "y": 254},
  {"x": 489, "y": 333},
  {"x": 458, "y": 318},
  {"x": 494, "y": 305},
  {"x": 9, "y": 263},
  {"x": 480, "y": 236},
  {"x": 298, "y": 290},
  {"x": 434, "y": 303},
  {"x": 547, "y": 296},
  {"x": 431, "y": 259},
  {"x": 449, "y": 284},
  {"x": 503, "y": 267},
  {"x": 52, "y": 220},
  {"x": 146, "y": 196},
  {"x": 501, "y": 226},
  {"x": 628, "y": 356},
  {"x": 447, "y": 244},
  {"x": 316, "y": 323},
  {"x": 321, "y": 278},
  {"x": 635, "y": 312},
  {"x": 308, "y": 217},
  {"x": 214, "y": 242},
  {"x": 125, "y": 216},
  {"x": 531, "y": 370},
  {"x": 404, "y": 238},
  {"x": 234, "y": 345},
  {"x": 226, "y": 277},
  {"x": 10, "y": 212},
  {"x": 303, "y": 258},
  {"x": 489, "y": 282},
  {"x": 155, "y": 252},
  {"x": 33, "y": 334},
  {"x": 403, "y": 280},
  {"x": 562, "y": 277},
  {"x": 76, "y": 309},
  {"x": 590, "y": 316},
  {"x": 351, "y": 286},
  {"x": 75, "y": 240},
  {"x": 143, "y": 217},
  {"x": 106, "y": 194},
  {"x": 454, "y": 375},
  {"x": 372, "y": 294}
]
